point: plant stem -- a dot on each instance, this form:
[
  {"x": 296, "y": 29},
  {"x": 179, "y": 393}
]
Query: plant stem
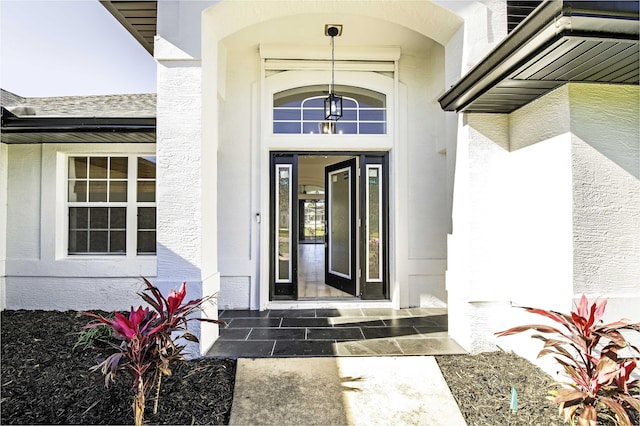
[
  {"x": 139, "y": 403},
  {"x": 155, "y": 404}
]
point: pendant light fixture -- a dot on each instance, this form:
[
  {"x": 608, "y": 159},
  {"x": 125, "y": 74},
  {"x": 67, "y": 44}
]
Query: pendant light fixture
[{"x": 333, "y": 102}]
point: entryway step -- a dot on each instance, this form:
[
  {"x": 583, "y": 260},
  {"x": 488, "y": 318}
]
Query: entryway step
[{"x": 334, "y": 333}]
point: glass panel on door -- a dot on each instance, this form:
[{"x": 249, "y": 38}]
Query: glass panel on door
[
  {"x": 340, "y": 228},
  {"x": 374, "y": 226},
  {"x": 340, "y": 264},
  {"x": 283, "y": 223}
]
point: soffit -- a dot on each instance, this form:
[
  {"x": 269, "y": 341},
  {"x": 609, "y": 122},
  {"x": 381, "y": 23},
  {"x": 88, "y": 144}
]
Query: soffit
[
  {"x": 78, "y": 137},
  {"x": 138, "y": 17},
  {"x": 560, "y": 42}
]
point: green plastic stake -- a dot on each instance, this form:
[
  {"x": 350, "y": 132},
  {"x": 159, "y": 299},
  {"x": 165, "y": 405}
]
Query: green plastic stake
[{"x": 514, "y": 398}]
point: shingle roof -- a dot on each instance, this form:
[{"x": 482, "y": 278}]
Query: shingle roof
[
  {"x": 130, "y": 105},
  {"x": 78, "y": 119},
  {"x": 8, "y": 98}
]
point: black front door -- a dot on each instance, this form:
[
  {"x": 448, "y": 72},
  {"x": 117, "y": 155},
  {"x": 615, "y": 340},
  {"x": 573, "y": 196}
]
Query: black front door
[
  {"x": 355, "y": 231},
  {"x": 341, "y": 231}
]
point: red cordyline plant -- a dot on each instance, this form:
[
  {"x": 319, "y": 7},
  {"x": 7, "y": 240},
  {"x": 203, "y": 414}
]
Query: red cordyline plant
[
  {"x": 587, "y": 349},
  {"x": 148, "y": 338}
]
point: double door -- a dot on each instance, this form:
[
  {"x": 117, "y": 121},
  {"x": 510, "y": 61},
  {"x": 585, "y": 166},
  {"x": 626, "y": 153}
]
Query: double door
[{"x": 355, "y": 227}]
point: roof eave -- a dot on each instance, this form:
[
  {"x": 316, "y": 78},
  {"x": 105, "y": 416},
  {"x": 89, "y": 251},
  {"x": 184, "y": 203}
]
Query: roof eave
[
  {"x": 16, "y": 129},
  {"x": 551, "y": 21},
  {"x": 128, "y": 25},
  {"x": 11, "y": 122}
]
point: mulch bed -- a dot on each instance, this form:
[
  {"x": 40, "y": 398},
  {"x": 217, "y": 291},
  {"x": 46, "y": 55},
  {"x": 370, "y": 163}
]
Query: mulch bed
[
  {"x": 481, "y": 385},
  {"x": 45, "y": 382}
]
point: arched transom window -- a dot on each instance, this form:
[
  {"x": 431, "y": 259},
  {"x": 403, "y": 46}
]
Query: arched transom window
[{"x": 301, "y": 111}]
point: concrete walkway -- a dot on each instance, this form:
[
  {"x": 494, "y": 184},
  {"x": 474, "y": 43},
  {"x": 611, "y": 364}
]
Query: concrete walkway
[{"x": 406, "y": 390}]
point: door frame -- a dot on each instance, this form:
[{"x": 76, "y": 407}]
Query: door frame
[
  {"x": 366, "y": 290},
  {"x": 283, "y": 290}
]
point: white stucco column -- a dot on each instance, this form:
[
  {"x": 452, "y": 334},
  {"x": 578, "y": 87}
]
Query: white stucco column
[{"x": 186, "y": 168}]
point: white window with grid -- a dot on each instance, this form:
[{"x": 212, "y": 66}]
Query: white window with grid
[{"x": 111, "y": 205}]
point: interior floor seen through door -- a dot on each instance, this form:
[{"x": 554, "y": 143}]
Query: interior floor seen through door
[{"x": 311, "y": 283}]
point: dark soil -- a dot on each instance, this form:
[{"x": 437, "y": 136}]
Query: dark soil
[
  {"x": 45, "y": 382},
  {"x": 481, "y": 385}
]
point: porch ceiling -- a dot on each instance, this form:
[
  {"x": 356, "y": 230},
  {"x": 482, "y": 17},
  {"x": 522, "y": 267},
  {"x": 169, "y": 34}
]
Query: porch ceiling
[
  {"x": 138, "y": 17},
  {"x": 560, "y": 42}
]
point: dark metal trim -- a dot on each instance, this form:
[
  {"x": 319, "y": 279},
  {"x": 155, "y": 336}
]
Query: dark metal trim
[
  {"x": 35, "y": 124},
  {"x": 549, "y": 22},
  {"x": 16, "y": 128}
]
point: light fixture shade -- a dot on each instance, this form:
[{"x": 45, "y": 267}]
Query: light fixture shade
[
  {"x": 333, "y": 107},
  {"x": 328, "y": 127}
]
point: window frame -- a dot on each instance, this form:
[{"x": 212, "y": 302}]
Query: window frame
[
  {"x": 311, "y": 95},
  {"x": 131, "y": 204}
]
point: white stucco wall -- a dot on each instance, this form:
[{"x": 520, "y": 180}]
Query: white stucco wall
[
  {"x": 426, "y": 218},
  {"x": 39, "y": 273},
  {"x": 605, "y": 125},
  {"x": 512, "y": 229},
  {"x": 545, "y": 209},
  {"x": 238, "y": 191},
  {"x": 4, "y": 165}
]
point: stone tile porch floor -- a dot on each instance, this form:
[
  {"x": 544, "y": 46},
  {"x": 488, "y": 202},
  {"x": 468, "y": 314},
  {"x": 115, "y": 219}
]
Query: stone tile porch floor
[{"x": 333, "y": 333}]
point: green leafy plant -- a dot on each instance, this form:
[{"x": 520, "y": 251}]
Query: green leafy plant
[
  {"x": 147, "y": 340},
  {"x": 600, "y": 380},
  {"x": 92, "y": 337}
]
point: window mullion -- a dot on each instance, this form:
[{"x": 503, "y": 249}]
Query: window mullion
[{"x": 132, "y": 211}]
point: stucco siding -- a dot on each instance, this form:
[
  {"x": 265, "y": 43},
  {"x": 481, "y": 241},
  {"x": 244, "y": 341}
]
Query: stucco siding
[
  {"x": 178, "y": 171},
  {"x": 606, "y": 193},
  {"x": 73, "y": 293},
  {"x": 182, "y": 199},
  {"x": 39, "y": 272},
  {"x": 512, "y": 230},
  {"x": 547, "y": 199},
  {"x": 23, "y": 207},
  {"x": 4, "y": 165},
  {"x": 235, "y": 293}
]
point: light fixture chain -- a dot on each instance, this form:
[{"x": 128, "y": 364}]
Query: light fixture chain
[{"x": 332, "y": 66}]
